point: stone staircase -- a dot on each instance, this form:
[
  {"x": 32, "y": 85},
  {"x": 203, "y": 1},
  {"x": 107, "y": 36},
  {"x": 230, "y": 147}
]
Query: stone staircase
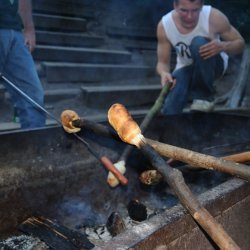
[
  {"x": 91, "y": 54},
  {"x": 87, "y": 64},
  {"x": 96, "y": 67}
]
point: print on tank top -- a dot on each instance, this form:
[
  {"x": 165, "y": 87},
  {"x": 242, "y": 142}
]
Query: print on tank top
[{"x": 182, "y": 50}]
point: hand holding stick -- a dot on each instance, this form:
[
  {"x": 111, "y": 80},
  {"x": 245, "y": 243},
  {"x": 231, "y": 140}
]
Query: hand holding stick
[{"x": 129, "y": 132}]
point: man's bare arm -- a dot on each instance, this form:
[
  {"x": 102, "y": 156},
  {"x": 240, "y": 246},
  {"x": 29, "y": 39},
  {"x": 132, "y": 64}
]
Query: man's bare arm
[
  {"x": 25, "y": 11},
  {"x": 163, "y": 55},
  {"x": 232, "y": 42}
]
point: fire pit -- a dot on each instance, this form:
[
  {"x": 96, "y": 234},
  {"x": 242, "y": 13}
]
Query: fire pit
[{"x": 47, "y": 172}]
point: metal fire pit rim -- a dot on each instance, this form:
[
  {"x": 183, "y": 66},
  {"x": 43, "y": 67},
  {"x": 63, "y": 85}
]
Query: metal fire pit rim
[{"x": 235, "y": 188}]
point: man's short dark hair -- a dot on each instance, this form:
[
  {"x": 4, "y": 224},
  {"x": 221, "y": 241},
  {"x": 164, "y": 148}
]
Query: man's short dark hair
[{"x": 177, "y": 1}]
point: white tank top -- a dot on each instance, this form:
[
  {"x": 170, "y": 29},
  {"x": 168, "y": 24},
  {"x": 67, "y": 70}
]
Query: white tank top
[{"x": 181, "y": 41}]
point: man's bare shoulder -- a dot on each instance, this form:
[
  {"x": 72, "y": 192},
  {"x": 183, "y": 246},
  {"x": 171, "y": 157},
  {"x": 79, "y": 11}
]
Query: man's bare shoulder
[
  {"x": 160, "y": 30},
  {"x": 161, "y": 34},
  {"x": 218, "y": 21}
]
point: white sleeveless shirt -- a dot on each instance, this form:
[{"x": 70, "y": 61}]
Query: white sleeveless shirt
[{"x": 181, "y": 41}]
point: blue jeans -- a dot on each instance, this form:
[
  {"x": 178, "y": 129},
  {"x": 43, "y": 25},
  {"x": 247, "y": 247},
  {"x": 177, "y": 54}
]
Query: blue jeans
[
  {"x": 16, "y": 64},
  {"x": 194, "y": 81}
]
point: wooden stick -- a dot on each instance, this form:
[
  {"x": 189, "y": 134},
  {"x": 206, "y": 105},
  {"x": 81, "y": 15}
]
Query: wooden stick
[
  {"x": 147, "y": 119},
  {"x": 155, "y": 109},
  {"x": 129, "y": 132},
  {"x": 199, "y": 160},
  {"x": 110, "y": 167},
  {"x": 240, "y": 157},
  {"x": 192, "y": 158},
  {"x": 176, "y": 181},
  {"x": 143, "y": 126},
  {"x": 105, "y": 162},
  {"x": 68, "y": 117},
  {"x": 149, "y": 116}
]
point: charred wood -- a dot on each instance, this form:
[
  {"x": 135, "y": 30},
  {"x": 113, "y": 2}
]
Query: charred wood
[
  {"x": 54, "y": 235},
  {"x": 137, "y": 211},
  {"x": 115, "y": 224}
]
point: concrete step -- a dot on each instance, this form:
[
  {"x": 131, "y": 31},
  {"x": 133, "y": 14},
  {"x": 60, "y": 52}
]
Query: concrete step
[
  {"x": 55, "y": 95},
  {"x": 6, "y": 127},
  {"x": 139, "y": 45},
  {"x": 80, "y": 55},
  {"x": 76, "y": 72},
  {"x": 103, "y": 97},
  {"x": 63, "y": 9},
  {"x": 59, "y": 23},
  {"x": 101, "y": 116},
  {"x": 2, "y": 92},
  {"x": 79, "y": 2},
  {"x": 68, "y": 39},
  {"x": 132, "y": 33}
]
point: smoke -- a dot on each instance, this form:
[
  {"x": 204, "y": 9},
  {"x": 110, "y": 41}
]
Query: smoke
[{"x": 76, "y": 212}]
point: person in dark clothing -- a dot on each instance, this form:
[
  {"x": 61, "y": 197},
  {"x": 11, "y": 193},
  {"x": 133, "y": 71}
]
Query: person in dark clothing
[{"x": 17, "y": 41}]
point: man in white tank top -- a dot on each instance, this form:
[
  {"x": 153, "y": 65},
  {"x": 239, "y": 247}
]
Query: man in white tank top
[{"x": 202, "y": 38}]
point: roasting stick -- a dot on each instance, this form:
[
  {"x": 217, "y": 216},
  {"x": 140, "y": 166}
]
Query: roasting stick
[
  {"x": 152, "y": 177},
  {"x": 240, "y": 157},
  {"x": 198, "y": 160},
  {"x": 194, "y": 159},
  {"x": 103, "y": 159},
  {"x": 67, "y": 116},
  {"x": 129, "y": 132},
  {"x": 121, "y": 163}
]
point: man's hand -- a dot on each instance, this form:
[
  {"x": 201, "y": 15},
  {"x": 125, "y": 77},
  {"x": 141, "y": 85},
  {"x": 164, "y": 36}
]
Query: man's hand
[
  {"x": 25, "y": 11},
  {"x": 29, "y": 38},
  {"x": 166, "y": 78},
  {"x": 211, "y": 49}
]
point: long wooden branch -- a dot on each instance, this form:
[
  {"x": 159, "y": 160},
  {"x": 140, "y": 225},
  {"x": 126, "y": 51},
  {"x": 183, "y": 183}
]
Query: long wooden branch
[
  {"x": 190, "y": 157},
  {"x": 240, "y": 157},
  {"x": 154, "y": 110},
  {"x": 129, "y": 132},
  {"x": 176, "y": 181},
  {"x": 199, "y": 160}
]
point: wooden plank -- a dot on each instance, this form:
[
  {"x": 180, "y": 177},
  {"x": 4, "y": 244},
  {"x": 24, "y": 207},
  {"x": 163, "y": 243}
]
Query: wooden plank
[
  {"x": 238, "y": 90},
  {"x": 54, "y": 235}
]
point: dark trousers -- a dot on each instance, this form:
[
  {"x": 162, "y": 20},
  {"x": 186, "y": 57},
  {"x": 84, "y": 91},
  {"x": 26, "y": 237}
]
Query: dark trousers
[{"x": 194, "y": 81}]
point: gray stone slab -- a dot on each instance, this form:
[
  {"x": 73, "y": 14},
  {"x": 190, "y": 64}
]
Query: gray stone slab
[
  {"x": 129, "y": 32},
  {"x": 54, "y": 95},
  {"x": 2, "y": 88},
  {"x": 80, "y": 55},
  {"x": 13, "y": 126},
  {"x": 73, "y": 72},
  {"x": 52, "y": 23},
  {"x": 139, "y": 45},
  {"x": 63, "y": 9},
  {"x": 80, "y": 2},
  {"x": 130, "y": 96},
  {"x": 68, "y": 39},
  {"x": 102, "y": 114}
]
